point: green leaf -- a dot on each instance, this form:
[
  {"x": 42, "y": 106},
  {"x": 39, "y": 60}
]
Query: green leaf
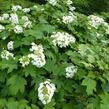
[
  {"x": 22, "y": 104},
  {"x": 34, "y": 106},
  {"x": 50, "y": 105},
  {"x": 4, "y": 35},
  {"x": 30, "y": 70},
  {"x": 90, "y": 84},
  {"x": 2, "y": 103},
  {"x": 12, "y": 105},
  {"x": 68, "y": 106},
  {"x": 37, "y": 34},
  {"x": 49, "y": 66},
  {"x": 16, "y": 83},
  {"x": 94, "y": 103},
  {"x": 105, "y": 101},
  {"x": 102, "y": 65},
  {"x": 46, "y": 28},
  {"x": 10, "y": 64}
]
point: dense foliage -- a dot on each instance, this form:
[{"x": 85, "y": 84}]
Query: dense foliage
[{"x": 53, "y": 57}]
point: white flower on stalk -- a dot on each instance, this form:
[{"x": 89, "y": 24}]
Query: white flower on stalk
[
  {"x": 16, "y": 8},
  {"x": 62, "y": 39},
  {"x": 10, "y": 45},
  {"x": 2, "y": 28},
  {"x": 6, "y": 54},
  {"x": 95, "y": 21},
  {"x": 24, "y": 61},
  {"x": 52, "y": 2},
  {"x": 14, "y": 18},
  {"x": 70, "y": 71},
  {"x": 26, "y": 10},
  {"x": 18, "y": 29},
  {"x": 38, "y": 57},
  {"x": 68, "y": 18},
  {"x": 5, "y": 16},
  {"x": 46, "y": 91}
]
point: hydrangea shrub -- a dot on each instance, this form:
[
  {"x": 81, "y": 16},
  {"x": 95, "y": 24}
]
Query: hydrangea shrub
[{"x": 52, "y": 57}]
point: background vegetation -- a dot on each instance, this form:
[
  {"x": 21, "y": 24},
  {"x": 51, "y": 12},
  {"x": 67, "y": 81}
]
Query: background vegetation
[{"x": 88, "y": 88}]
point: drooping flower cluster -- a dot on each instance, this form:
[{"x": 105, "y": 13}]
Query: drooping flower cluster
[
  {"x": 46, "y": 91},
  {"x": 70, "y": 71},
  {"x": 6, "y": 55},
  {"x": 38, "y": 57},
  {"x": 62, "y": 39},
  {"x": 10, "y": 45},
  {"x": 24, "y": 61}
]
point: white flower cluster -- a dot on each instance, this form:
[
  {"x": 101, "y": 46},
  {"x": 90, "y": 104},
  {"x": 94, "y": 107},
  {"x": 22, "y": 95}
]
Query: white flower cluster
[
  {"x": 70, "y": 71},
  {"x": 5, "y": 16},
  {"x": 69, "y": 2},
  {"x": 19, "y": 8},
  {"x": 24, "y": 61},
  {"x": 2, "y": 28},
  {"x": 16, "y": 8},
  {"x": 46, "y": 91},
  {"x": 107, "y": 27},
  {"x": 18, "y": 29},
  {"x": 68, "y": 18},
  {"x": 6, "y": 54},
  {"x": 26, "y": 10},
  {"x": 52, "y": 2},
  {"x": 62, "y": 39},
  {"x": 107, "y": 30},
  {"x": 15, "y": 20},
  {"x": 38, "y": 57},
  {"x": 27, "y": 22},
  {"x": 10, "y": 45},
  {"x": 95, "y": 21}
]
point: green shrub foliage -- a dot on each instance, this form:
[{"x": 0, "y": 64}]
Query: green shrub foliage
[{"x": 52, "y": 57}]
